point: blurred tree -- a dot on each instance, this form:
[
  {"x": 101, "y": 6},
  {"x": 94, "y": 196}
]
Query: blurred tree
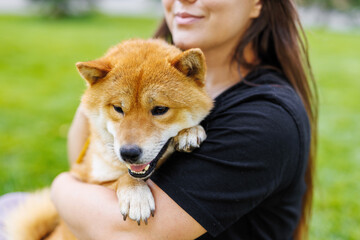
[
  {"x": 63, "y": 8},
  {"x": 333, "y": 4}
]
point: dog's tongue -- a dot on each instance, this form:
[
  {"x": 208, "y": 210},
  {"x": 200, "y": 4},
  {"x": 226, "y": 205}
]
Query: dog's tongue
[{"x": 138, "y": 168}]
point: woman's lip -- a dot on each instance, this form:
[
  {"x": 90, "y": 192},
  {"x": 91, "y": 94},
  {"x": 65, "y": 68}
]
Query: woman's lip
[
  {"x": 186, "y": 15},
  {"x": 185, "y": 18}
]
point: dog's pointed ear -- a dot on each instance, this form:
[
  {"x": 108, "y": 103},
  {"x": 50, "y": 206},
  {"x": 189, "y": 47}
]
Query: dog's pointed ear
[
  {"x": 192, "y": 64},
  {"x": 94, "y": 70}
]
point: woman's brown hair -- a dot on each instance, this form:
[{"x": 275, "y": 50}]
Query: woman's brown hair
[{"x": 279, "y": 42}]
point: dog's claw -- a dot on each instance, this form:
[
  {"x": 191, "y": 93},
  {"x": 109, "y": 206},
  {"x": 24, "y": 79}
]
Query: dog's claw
[
  {"x": 138, "y": 222},
  {"x": 145, "y": 220},
  {"x": 152, "y": 212},
  {"x": 124, "y": 217}
]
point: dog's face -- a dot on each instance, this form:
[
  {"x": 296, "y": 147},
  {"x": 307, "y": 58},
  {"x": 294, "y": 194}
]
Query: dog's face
[{"x": 140, "y": 95}]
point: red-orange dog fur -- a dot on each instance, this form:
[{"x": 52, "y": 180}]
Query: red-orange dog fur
[{"x": 144, "y": 98}]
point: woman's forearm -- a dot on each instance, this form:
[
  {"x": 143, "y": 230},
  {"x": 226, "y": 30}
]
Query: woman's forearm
[
  {"x": 92, "y": 212},
  {"x": 78, "y": 134},
  {"x": 79, "y": 205}
]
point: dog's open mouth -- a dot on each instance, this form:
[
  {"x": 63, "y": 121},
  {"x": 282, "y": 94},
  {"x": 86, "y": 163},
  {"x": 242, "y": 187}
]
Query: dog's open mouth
[
  {"x": 141, "y": 171},
  {"x": 144, "y": 171}
]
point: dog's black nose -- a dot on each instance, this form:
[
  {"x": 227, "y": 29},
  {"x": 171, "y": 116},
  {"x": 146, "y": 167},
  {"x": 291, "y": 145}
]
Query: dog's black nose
[{"x": 130, "y": 153}]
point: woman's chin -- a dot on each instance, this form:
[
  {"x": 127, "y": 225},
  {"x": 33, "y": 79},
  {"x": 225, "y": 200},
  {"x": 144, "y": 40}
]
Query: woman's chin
[{"x": 186, "y": 43}]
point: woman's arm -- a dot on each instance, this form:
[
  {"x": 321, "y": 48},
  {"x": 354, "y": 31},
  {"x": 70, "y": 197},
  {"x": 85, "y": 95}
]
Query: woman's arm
[
  {"x": 92, "y": 212},
  {"x": 77, "y": 136}
]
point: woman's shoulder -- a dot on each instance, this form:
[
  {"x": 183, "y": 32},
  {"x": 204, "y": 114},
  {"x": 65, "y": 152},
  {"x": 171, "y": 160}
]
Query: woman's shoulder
[
  {"x": 265, "y": 103},
  {"x": 259, "y": 84},
  {"x": 262, "y": 90}
]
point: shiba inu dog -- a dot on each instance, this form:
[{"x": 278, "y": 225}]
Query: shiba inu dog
[{"x": 144, "y": 99}]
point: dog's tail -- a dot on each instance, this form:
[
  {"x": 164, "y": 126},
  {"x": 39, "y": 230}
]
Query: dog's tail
[{"x": 34, "y": 219}]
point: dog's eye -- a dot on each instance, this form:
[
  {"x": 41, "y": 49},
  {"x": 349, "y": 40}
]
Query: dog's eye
[
  {"x": 118, "y": 109},
  {"x": 158, "y": 110}
]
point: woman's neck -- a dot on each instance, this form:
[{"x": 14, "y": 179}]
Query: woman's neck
[{"x": 222, "y": 71}]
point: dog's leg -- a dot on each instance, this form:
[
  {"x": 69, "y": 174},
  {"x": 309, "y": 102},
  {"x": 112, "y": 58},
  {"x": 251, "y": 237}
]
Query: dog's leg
[
  {"x": 189, "y": 139},
  {"x": 135, "y": 199}
]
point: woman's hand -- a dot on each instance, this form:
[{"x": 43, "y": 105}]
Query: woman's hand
[{"x": 92, "y": 212}]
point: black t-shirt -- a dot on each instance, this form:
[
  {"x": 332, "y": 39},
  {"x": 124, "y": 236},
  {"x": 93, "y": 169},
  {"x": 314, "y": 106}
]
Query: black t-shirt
[{"x": 246, "y": 181}]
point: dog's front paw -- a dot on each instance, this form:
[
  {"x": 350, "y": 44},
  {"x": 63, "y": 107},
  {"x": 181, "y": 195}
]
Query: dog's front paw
[
  {"x": 137, "y": 202},
  {"x": 189, "y": 139}
]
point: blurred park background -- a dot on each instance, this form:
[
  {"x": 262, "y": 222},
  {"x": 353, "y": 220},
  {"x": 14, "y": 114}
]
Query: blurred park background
[{"x": 40, "y": 41}]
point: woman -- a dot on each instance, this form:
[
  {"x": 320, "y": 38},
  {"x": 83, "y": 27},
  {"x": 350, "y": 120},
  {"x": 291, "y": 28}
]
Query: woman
[{"x": 252, "y": 177}]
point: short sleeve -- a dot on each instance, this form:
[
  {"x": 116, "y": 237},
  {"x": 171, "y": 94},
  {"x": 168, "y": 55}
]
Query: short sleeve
[{"x": 251, "y": 152}]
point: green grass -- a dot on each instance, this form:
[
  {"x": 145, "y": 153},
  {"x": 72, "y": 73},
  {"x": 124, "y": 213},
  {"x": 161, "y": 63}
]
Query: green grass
[
  {"x": 40, "y": 90},
  {"x": 336, "y": 63}
]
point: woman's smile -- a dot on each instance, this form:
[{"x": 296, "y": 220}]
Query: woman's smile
[
  {"x": 184, "y": 18},
  {"x": 208, "y": 24}
]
